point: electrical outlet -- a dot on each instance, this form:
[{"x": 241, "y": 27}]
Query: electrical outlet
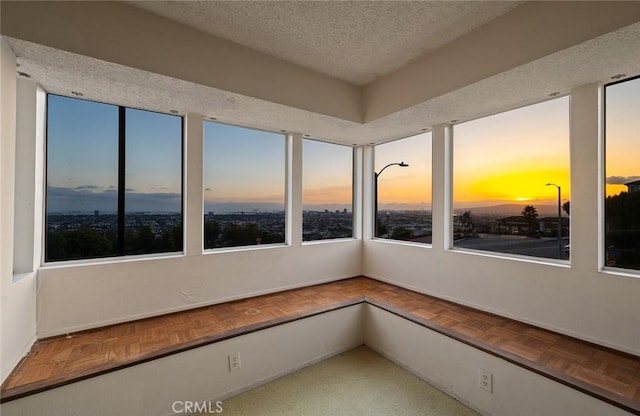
[
  {"x": 234, "y": 362},
  {"x": 485, "y": 380}
]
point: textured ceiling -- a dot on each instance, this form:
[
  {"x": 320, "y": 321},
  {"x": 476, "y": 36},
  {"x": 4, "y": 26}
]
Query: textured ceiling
[
  {"x": 596, "y": 60},
  {"x": 356, "y": 41}
]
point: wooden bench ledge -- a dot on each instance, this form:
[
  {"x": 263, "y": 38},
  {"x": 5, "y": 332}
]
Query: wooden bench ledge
[{"x": 606, "y": 374}]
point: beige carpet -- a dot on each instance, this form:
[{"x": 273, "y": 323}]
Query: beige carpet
[{"x": 358, "y": 382}]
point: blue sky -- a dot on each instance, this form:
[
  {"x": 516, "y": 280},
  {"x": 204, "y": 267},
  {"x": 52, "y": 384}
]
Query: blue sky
[{"x": 82, "y": 158}]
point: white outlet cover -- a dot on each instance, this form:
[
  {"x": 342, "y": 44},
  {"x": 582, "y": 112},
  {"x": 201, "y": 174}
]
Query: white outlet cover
[{"x": 485, "y": 380}]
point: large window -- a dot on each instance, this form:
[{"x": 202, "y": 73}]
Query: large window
[
  {"x": 327, "y": 191},
  {"x": 622, "y": 203},
  {"x": 244, "y": 186},
  {"x": 511, "y": 187},
  {"x": 402, "y": 189},
  {"x": 114, "y": 181}
]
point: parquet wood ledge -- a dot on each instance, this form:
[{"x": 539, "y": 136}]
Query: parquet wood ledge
[{"x": 606, "y": 374}]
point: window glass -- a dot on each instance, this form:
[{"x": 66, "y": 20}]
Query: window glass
[
  {"x": 402, "y": 189},
  {"x": 153, "y": 201},
  {"x": 327, "y": 191},
  {"x": 85, "y": 184},
  {"x": 82, "y": 179},
  {"x": 511, "y": 187},
  {"x": 622, "y": 203},
  {"x": 244, "y": 186}
]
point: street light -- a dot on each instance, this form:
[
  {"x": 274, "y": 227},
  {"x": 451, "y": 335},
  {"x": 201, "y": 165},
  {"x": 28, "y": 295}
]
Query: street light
[
  {"x": 559, "y": 219},
  {"x": 376, "y": 175}
]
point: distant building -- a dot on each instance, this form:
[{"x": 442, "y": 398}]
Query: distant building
[
  {"x": 633, "y": 186},
  {"x": 513, "y": 225},
  {"x": 96, "y": 213}
]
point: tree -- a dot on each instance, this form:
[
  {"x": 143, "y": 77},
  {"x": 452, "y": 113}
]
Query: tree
[
  {"x": 78, "y": 244},
  {"x": 466, "y": 219},
  {"x": 211, "y": 233},
  {"x": 622, "y": 224},
  {"x": 530, "y": 213},
  {"x": 566, "y": 207},
  {"x": 402, "y": 233}
]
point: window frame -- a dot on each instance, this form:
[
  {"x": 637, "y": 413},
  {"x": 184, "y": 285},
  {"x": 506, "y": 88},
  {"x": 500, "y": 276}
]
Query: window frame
[
  {"x": 121, "y": 185},
  {"x": 353, "y": 194},
  {"x": 374, "y": 202},
  {"x": 451, "y": 182},
  {"x": 286, "y": 205},
  {"x": 602, "y": 240}
]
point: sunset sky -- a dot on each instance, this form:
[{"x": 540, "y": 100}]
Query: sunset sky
[
  {"x": 327, "y": 176},
  {"x": 622, "y": 135},
  {"x": 511, "y": 156},
  {"x": 504, "y": 158},
  {"x": 244, "y": 169},
  {"x": 408, "y": 187}
]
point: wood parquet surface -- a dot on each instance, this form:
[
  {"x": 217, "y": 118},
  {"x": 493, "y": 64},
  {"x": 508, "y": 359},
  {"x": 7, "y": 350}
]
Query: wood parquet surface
[{"x": 609, "y": 375}]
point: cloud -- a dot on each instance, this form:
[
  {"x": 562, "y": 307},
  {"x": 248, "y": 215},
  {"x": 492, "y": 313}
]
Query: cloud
[
  {"x": 621, "y": 180},
  {"x": 87, "y": 199},
  {"x": 87, "y": 187}
]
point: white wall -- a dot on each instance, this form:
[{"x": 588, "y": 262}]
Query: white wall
[
  {"x": 74, "y": 298},
  {"x": 576, "y": 299},
  {"x": 17, "y": 299},
  {"x": 453, "y": 367}
]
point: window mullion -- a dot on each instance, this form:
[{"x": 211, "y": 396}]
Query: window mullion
[{"x": 121, "y": 178}]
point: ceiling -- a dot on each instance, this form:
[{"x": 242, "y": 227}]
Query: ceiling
[{"x": 354, "y": 41}]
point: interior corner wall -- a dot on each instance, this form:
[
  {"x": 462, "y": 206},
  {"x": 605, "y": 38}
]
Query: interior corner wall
[
  {"x": 576, "y": 299},
  {"x": 17, "y": 299}
]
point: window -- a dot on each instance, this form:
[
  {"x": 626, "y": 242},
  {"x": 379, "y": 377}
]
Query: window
[
  {"x": 327, "y": 191},
  {"x": 622, "y": 203},
  {"x": 511, "y": 185},
  {"x": 402, "y": 189},
  {"x": 114, "y": 181},
  {"x": 244, "y": 181}
]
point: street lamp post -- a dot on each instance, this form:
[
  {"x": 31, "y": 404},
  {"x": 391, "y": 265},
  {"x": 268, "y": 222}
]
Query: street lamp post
[
  {"x": 559, "y": 219},
  {"x": 375, "y": 208}
]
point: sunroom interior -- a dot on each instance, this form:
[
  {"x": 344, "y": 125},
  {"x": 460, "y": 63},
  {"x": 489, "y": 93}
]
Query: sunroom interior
[{"x": 358, "y": 74}]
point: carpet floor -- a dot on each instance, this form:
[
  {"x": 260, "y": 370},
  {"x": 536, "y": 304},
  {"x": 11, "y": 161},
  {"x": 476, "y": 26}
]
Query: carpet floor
[{"x": 358, "y": 382}]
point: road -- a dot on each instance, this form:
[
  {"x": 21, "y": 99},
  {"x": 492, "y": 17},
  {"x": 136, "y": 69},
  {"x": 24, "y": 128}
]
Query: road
[{"x": 515, "y": 244}]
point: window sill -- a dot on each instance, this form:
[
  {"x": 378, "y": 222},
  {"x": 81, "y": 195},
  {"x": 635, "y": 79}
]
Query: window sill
[
  {"x": 329, "y": 241},
  {"x": 254, "y": 247},
  {"x": 111, "y": 260},
  {"x": 514, "y": 257},
  {"x": 401, "y": 242}
]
